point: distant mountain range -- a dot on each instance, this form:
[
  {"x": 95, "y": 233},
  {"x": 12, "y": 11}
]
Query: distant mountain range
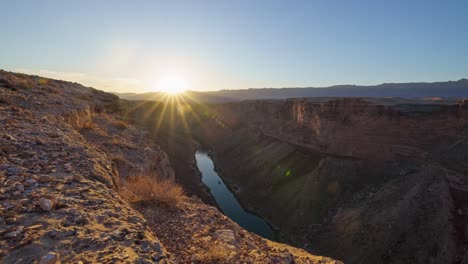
[{"x": 450, "y": 89}]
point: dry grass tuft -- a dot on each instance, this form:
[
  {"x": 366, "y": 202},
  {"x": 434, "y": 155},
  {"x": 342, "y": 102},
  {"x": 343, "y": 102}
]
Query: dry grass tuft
[
  {"x": 120, "y": 142},
  {"x": 215, "y": 254},
  {"x": 24, "y": 84},
  {"x": 119, "y": 159},
  {"x": 89, "y": 125},
  {"x": 151, "y": 190},
  {"x": 113, "y": 121},
  {"x": 120, "y": 124}
]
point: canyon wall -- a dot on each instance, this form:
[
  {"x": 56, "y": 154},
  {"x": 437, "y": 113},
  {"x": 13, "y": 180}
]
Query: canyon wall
[{"x": 362, "y": 180}]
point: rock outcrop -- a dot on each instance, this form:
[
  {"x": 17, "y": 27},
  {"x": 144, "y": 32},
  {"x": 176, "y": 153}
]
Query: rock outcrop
[{"x": 59, "y": 197}]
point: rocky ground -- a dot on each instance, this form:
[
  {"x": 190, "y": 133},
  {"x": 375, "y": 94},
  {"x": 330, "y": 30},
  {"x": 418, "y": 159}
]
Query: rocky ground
[
  {"x": 64, "y": 150},
  {"x": 59, "y": 195},
  {"x": 213, "y": 238}
]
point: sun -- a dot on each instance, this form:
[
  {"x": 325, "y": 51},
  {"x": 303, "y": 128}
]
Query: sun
[{"x": 171, "y": 83}]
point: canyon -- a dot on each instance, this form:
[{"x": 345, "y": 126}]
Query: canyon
[
  {"x": 363, "y": 180},
  {"x": 233, "y": 132},
  {"x": 358, "y": 180}
]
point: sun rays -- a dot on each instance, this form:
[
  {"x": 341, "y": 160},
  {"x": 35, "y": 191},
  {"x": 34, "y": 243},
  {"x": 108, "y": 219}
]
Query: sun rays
[{"x": 175, "y": 114}]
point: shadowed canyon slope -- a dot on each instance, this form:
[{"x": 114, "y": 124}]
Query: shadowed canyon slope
[
  {"x": 385, "y": 180},
  {"x": 67, "y": 158},
  {"x": 372, "y": 180}
]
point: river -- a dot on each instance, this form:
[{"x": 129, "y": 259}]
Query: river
[{"x": 228, "y": 202}]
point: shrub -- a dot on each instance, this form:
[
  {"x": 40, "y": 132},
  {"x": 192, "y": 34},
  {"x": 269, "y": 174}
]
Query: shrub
[{"x": 151, "y": 190}]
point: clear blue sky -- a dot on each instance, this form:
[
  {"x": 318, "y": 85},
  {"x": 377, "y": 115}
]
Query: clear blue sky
[{"x": 221, "y": 44}]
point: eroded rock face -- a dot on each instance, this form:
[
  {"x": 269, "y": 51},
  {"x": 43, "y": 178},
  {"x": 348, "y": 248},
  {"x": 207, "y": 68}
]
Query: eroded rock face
[{"x": 355, "y": 179}]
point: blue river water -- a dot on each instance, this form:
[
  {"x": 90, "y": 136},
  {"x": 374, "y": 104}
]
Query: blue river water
[{"x": 228, "y": 202}]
